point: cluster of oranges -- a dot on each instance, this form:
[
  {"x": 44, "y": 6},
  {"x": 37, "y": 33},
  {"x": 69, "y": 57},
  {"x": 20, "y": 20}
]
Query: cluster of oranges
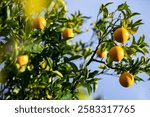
[
  {"x": 23, "y": 59},
  {"x": 40, "y": 23},
  {"x": 116, "y": 53}
]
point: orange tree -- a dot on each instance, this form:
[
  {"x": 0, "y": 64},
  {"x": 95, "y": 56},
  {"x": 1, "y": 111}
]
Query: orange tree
[{"x": 40, "y": 60}]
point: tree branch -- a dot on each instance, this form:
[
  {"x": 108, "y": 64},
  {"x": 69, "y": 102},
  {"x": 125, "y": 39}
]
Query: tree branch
[
  {"x": 95, "y": 60},
  {"x": 101, "y": 40},
  {"x": 92, "y": 56}
]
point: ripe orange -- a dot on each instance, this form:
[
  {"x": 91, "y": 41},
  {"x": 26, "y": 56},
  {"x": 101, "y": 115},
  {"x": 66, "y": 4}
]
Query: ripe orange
[
  {"x": 126, "y": 79},
  {"x": 121, "y": 35},
  {"x": 39, "y": 23},
  {"x": 68, "y": 33},
  {"x": 116, "y": 53},
  {"x": 100, "y": 53},
  {"x": 23, "y": 59}
]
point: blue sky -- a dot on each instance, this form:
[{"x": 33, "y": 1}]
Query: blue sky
[{"x": 109, "y": 86}]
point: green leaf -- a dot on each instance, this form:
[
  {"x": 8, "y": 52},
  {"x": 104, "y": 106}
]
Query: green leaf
[
  {"x": 136, "y": 62},
  {"x": 109, "y": 3},
  {"x": 122, "y": 7},
  {"x": 141, "y": 51},
  {"x": 57, "y": 73},
  {"x": 93, "y": 74},
  {"x": 124, "y": 14},
  {"x": 137, "y": 23},
  {"x": 86, "y": 72},
  {"x": 133, "y": 41},
  {"x": 148, "y": 73},
  {"x": 133, "y": 30},
  {"x": 109, "y": 62},
  {"x": 66, "y": 96},
  {"x": 73, "y": 65},
  {"x": 138, "y": 48},
  {"x": 105, "y": 12},
  {"x": 136, "y": 78},
  {"x": 87, "y": 52},
  {"x": 134, "y": 14},
  {"x": 144, "y": 44},
  {"x": 94, "y": 87},
  {"x": 145, "y": 50},
  {"x": 128, "y": 12},
  {"x": 143, "y": 59},
  {"x": 75, "y": 57},
  {"x": 141, "y": 39},
  {"x": 93, "y": 80},
  {"x": 50, "y": 64},
  {"x": 8, "y": 12},
  {"x": 147, "y": 59},
  {"x": 36, "y": 48},
  {"x": 89, "y": 87}
]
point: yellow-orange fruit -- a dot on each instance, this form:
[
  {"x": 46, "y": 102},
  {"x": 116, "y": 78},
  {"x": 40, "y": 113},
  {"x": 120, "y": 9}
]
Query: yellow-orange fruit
[
  {"x": 68, "y": 33},
  {"x": 100, "y": 53},
  {"x": 121, "y": 35},
  {"x": 39, "y": 23},
  {"x": 23, "y": 59},
  {"x": 126, "y": 79},
  {"x": 116, "y": 53}
]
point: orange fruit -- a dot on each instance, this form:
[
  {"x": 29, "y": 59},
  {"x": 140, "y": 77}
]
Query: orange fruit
[
  {"x": 101, "y": 53},
  {"x": 68, "y": 33},
  {"x": 116, "y": 53},
  {"x": 126, "y": 79},
  {"x": 121, "y": 35},
  {"x": 23, "y": 59},
  {"x": 39, "y": 23}
]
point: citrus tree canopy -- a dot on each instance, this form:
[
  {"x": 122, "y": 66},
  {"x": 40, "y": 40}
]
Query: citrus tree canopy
[{"x": 41, "y": 60}]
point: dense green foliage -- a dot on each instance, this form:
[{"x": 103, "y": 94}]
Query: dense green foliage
[{"x": 57, "y": 67}]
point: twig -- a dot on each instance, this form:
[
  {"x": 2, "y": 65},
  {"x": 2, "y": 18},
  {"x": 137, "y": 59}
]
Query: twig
[
  {"x": 111, "y": 74},
  {"x": 92, "y": 56},
  {"x": 111, "y": 27},
  {"x": 95, "y": 60}
]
